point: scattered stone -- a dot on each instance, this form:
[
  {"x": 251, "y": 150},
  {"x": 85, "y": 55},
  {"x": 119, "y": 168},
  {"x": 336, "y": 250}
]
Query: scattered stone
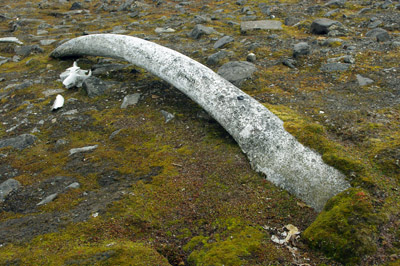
[
  {"x": 322, "y": 25},
  {"x": 76, "y": 6},
  {"x": 336, "y": 3},
  {"x": 168, "y": 116},
  {"x": 375, "y": 24},
  {"x": 48, "y": 199},
  {"x": 7, "y": 187},
  {"x": 128, "y": 5},
  {"x": 380, "y": 34},
  {"x": 331, "y": 12},
  {"x": 47, "y": 42},
  {"x": 363, "y": 81},
  {"x": 164, "y": 30},
  {"x": 237, "y": 72},
  {"x": 290, "y": 21},
  {"x": 331, "y": 67},
  {"x": 332, "y": 42},
  {"x": 301, "y": 48},
  {"x": 21, "y": 142},
  {"x": 61, "y": 142},
  {"x": 74, "y": 185},
  {"x": 94, "y": 86},
  {"x": 115, "y": 133},
  {"x": 223, "y": 42},
  {"x": 251, "y": 57},
  {"x": 83, "y": 149},
  {"x": 10, "y": 40},
  {"x": 100, "y": 69},
  {"x": 260, "y": 25},
  {"x": 131, "y": 99},
  {"x": 200, "y": 30},
  {"x": 25, "y": 51},
  {"x": 214, "y": 59},
  {"x": 289, "y": 62},
  {"x": 51, "y": 92},
  {"x": 70, "y": 112}
]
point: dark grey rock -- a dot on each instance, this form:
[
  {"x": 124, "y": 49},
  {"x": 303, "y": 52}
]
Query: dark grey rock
[
  {"x": 7, "y": 187},
  {"x": 260, "y": 25},
  {"x": 28, "y": 49},
  {"x": 322, "y": 25},
  {"x": 375, "y": 24},
  {"x": 289, "y": 62},
  {"x": 21, "y": 142},
  {"x": 201, "y": 19},
  {"x": 200, "y": 30},
  {"x": 301, "y": 48},
  {"x": 130, "y": 99},
  {"x": 362, "y": 81},
  {"x": 237, "y": 72},
  {"x": 100, "y": 69},
  {"x": 386, "y": 4},
  {"x": 337, "y": 3},
  {"x": 94, "y": 86},
  {"x": 214, "y": 59},
  {"x": 331, "y": 67},
  {"x": 380, "y": 34},
  {"x": 61, "y": 142},
  {"x": 76, "y": 6},
  {"x": 128, "y": 5},
  {"x": 223, "y": 41},
  {"x": 290, "y": 21},
  {"x": 265, "y": 9},
  {"x": 7, "y": 171}
]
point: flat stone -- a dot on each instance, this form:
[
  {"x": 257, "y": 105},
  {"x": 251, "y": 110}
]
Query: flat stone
[
  {"x": 322, "y": 25},
  {"x": 83, "y": 149},
  {"x": 94, "y": 86},
  {"x": 74, "y": 185},
  {"x": 260, "y": 25},
  {"x": 47, "y": 42},
  {"x": 51, "y": 92},
  {"x": 363, "y": 81},
  {"x": 237, "y": 71},
  {"x": 48, "y": 199},
  {"x": 7, "y": 187},
  {"x": 331, "y": 67},
  {"x": 223, "y": 41},
  {"x": 164, "y": 30},
  {"x": 21, "y": 142},
  {"x": 10, "y": 40},
  {"x": 131, "y": 99},
  {"x": 28, "y": 49}
]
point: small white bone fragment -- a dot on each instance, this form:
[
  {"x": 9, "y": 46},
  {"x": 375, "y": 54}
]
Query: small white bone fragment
[{"x": 74, "y": 76}]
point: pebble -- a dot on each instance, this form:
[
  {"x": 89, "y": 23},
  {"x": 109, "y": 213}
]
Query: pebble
[
  {"x": 83, "y": 149},
  {"x": 7, "y": 187},
  {"x": 131, "y": 99},
  {"x": 48, "y": 199}
]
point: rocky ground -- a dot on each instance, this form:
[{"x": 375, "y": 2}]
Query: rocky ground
[{"x": 159, "y": 182}]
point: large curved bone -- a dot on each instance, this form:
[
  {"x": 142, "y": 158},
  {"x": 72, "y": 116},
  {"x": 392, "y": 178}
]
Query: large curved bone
[{"x": 260, "y": 134}]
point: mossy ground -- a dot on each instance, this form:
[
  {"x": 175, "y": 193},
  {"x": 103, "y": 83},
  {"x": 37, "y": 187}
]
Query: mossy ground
[{"x": 189, "y": 195}]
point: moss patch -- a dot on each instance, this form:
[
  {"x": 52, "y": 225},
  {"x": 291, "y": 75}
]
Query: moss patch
[{"x": 347, "y": 228}]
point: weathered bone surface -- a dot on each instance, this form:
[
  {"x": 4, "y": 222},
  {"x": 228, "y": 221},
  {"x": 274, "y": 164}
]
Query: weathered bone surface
[{"x": 260, "y": 134}]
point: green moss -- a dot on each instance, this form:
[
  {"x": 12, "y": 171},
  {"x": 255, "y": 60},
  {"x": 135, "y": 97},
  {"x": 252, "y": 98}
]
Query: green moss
[
  {"x": 346, "y": 229},
  {"x": 229, "y": 248},
  {"x": 104, "y": 253}
]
